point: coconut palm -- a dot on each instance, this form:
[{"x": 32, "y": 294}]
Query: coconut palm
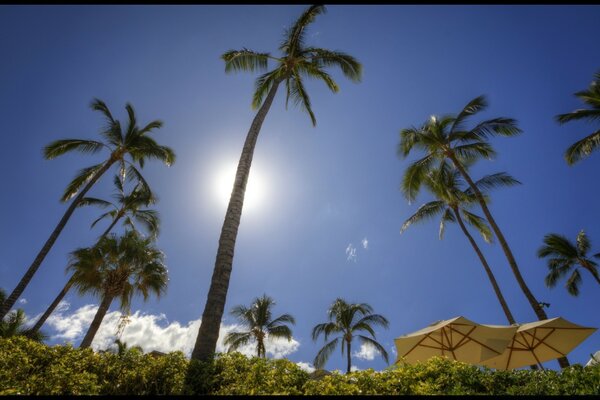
[
  {"x": 585, "y": 146},
  {"x": 564, "y": 256},
  {"x": 128, "y": 208},
  {"x": 118, "y": 268},
  {"x": 346, "y": 320},
  {"x": 14, "y": 324},
  {"x": 446, "y": 139},
  {"x": 122, "y": 348},
  {"x": 453, "y": 204},
  {"x": 260, "y": 325},
  {"x": 134, "y": 141},
  {"x": 297, "y": 62}
]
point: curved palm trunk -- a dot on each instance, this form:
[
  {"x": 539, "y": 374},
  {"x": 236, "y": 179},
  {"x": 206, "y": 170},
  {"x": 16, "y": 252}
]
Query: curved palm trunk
[
  {"x": 490, "y": 274},
  {"x": 16, "y": 293},
  {"x": 97, "y": 321},
  {"x": 63, "y": 292},
  {"x": 537, "y": 308},
  {"x": 348, "y": 347},
  {"x": 206, "y": 341},
  {"x": 42, "y": 320}
]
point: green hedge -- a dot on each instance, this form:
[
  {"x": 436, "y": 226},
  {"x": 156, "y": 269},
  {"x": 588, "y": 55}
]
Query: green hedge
[{"x": 28, "y": 367}]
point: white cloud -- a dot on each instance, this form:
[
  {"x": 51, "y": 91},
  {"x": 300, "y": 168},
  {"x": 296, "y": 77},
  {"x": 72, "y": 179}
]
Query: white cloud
[
  {"x": 151, "y": 332},
  {"x": 365, "y": 243},
  {"x": 354, "y": 368},
  {"x": 306, "y": 366},
  {"x": 23, "y": 301},
  {"x": 351, "y": 253},
  {"x": 366, "y": 352}
]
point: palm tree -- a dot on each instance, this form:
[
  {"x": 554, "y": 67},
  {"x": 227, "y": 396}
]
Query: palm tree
[
  {"x": 118, "y": 268},
  {"x": 453, "y": 203},
  {"x": 134, "y": 142},
  {"x": 585, "y": 146},
  {"x": 13, "y": 324},
  {"x": 297, "y": 62},
  {"x": 347, "y": 319},
  {"x": 259, "y": 324},
  {"x": 446, "y": 140},
  {"x": 564, "y": 257},
  {"x": 122, "y": 348},
  {"x": 130, "y": 208}
]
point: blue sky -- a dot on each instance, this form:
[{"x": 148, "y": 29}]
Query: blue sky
[{"x": 325, "y": 188}]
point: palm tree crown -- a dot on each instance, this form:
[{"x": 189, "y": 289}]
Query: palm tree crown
[
  {"x": 564, "y": 257},
  {"x": 13, "y": 324},
  {"x": 585, "y": 146},
  {"x": 346, "y": 319},
  {"x": 260, "y": 325},
  {"x": 297, "y": 61},
  {"x": 128, "y": 206}
]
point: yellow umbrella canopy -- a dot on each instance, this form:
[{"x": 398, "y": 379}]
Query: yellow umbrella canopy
[
  {"x": 457, "y": 338},
  {"x": 540, "y": 341}
]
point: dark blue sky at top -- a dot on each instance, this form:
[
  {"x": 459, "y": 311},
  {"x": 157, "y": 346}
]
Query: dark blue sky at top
[{"x": 328, "y": 186}]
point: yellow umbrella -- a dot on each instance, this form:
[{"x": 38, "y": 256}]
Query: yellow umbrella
[
  {"x": 457, "y": 338},
  {"x": 540, "y": 341}
]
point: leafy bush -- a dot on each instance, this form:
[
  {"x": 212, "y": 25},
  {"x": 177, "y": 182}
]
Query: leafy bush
[{"x": 31, "y": 368}]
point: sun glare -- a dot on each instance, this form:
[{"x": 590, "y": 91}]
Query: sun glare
[{"x": 255, "y": 189}]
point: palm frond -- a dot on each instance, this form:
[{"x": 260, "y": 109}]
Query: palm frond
[
  {"x": 60, "y": 147},
  {"x": 559, "y": 245},
  {"x": 262, "y": 86},
  {"x": 380, "y": 349},
  {"x": 583, "y": 243},
  {"x": 426, "y": 211},
  {"x": 585, "y": 114},
  {"x": 473, "y": 107},
  {"x": 414, "y": 176},
  {"x": 92, "y": 201},
  {"x": 350, "y": 67},
  {"x": 294, "y": 38},
  {"x": 496, "y": 126},
  {"x": 81, "y": 179},
  {"x": 234, "y": 340},
  {"x": 494, "y": 181},
  {"x": 245, "y": 60},
  {"x": 573, "y": 282},
  {"x": 480, "y": 224},
  {"x": 582, "y": 148},
  {"x": 323, "y": 354},
  {"x": 300, "y": 97},
  {"x": 448, "y": 216}
]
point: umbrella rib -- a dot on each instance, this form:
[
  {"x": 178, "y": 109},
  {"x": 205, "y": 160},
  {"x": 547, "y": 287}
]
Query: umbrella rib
[
  {"x": 510, "y": 352},
  {"x": 450, "y": 346},
  {"x": 481, "y": 344},
  {"x": 419, "y": 343},
  {"x": 465, "y": 337}
]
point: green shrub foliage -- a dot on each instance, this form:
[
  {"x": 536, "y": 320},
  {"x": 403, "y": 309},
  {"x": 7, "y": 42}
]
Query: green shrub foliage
[{"x": 31, "y": 368}]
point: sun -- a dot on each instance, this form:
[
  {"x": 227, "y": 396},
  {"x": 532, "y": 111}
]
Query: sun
[{"x": 255, "y": 188}]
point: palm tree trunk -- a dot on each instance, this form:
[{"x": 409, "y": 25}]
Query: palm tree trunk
[
  {"x": 64, "y": 291},
  {"x": 206, "y": 341},
  {"x": 40, "y": 322},
  {"x": 348, "y": 347},
  {"x": 490, "y": 274},
  {"x": 16, "y": 293},
  {"x": 535, "y": 305},
  {"x": 97, "y": 321}
]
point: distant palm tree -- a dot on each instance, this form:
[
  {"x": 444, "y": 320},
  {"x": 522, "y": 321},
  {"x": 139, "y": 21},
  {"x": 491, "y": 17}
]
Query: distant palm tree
[
  {"x": 14, "y": 324},
  {"x": 122, "y": 348},
  {"x": 297, "y": 62},
  {"x": 585, "y": 146},
  {"x": 118, "y": 268},
  {"x": 564, "y": 257},
  {"x": 259, "y": 324},
  {"x": 347, "y": 319},
  {"x": 134, "y": 141},
  {"x": 129, "y": 208},
  {"x": 453, "y": 203}
]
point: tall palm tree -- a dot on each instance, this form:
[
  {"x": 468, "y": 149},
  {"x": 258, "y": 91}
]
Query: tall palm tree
[
  {"x": 446, "y": 139},
  {"x": 453, "y": 204},
  {"x": 118, "y": 268},
  {"x": 129, "y": 208},
  {"x": 134, "y": 141},
  {"x": 346, "y": 319},
  {"x": 585, "y": 146},
  {"x": 564, "y": 257},
  {"x": 259, "y": 324},
  {"x": 297, "y": 62},
  {"x": 14, "y": 324}
]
